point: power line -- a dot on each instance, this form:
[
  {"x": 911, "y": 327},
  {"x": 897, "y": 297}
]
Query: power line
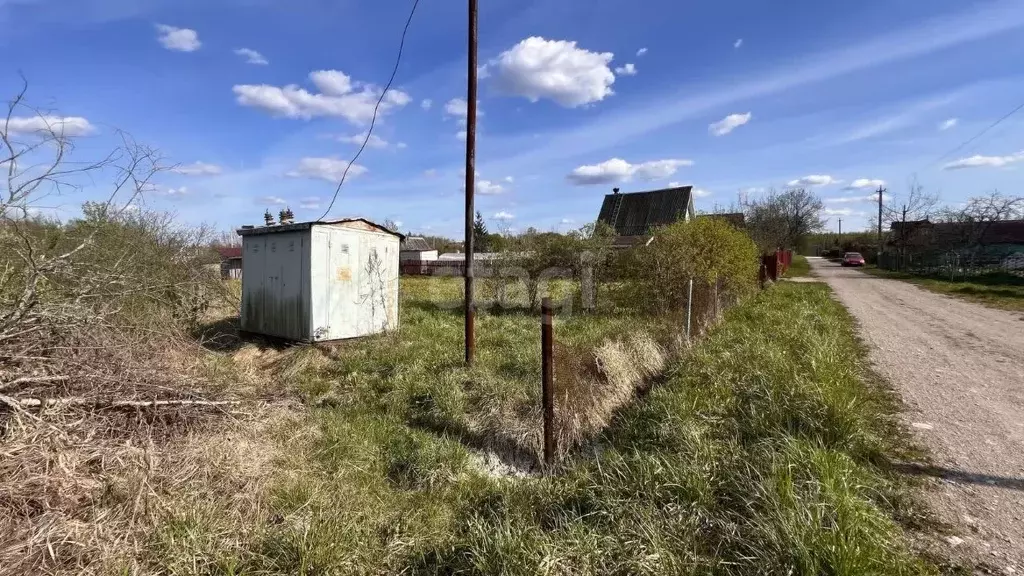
[
  {"x": 373, "y": 119},
  {"x": 979, "y": 134}
]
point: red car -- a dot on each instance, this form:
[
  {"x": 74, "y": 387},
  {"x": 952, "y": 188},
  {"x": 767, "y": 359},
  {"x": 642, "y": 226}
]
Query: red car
[{"x": 853, "y": 259}]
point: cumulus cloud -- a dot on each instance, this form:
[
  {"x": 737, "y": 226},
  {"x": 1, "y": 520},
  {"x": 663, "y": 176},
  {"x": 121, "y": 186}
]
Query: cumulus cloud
[
  {"x": 813, "y": 180},
  {"x": 502, "y": 215},
  {"x": 69, "y": 126},
  {"x": 461, "y": 135},
  {"x": 729, "y": 123},
  {"x": 701, "y": 193},
  {"x": 854, "y": 199},
  {"x": 457, "y": 108},
  {"x": 488, "y": 188},
  {"x": 627, "y": 70},
  {"x": 176, "y": 192},
  {"x": 641, "y": 52},
  {"x": 373, "y": 141},
  {"x": 273, "y": 200},
  {"x": 330, "y": 169},
  {"x": 197, "y": 169},
  {"x": 251, "y": 56},
  {"x": 861, "y": 183},
  {"x": 557, "y": 70},
  {"x": 178, "y": 39},
  {"x": 509, "y": 179},
  {"x": 619, "y": 170},
  {"x": 947, "y": 124},
  {"x": 985, "y": 161},
  {"x": 338, "y": 96},
  {"x": 567, "y": 221}
]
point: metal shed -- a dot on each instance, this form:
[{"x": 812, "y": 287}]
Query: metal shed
[{"x": 315, "y": 281}]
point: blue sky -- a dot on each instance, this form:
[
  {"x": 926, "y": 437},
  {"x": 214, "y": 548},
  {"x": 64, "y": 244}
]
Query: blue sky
[{"x": 576, "y": 97}]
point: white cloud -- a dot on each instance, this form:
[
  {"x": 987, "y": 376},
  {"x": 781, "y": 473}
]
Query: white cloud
[
  {"x": 619, "y": 170},
  {"x": 737, "y": 43},
  {"x": 179, "y": 39},
  {"x": 946, "y": 125},
  {"x": 488, "y": 188},
  {"x": 310, "y": 203},
  {"x": 461, "y": 135},
  {"x": 251, "y": 56},
  {"x": 457, "y": 108},
  {"x": 854, "y": 199},
  {"x": 674, "y": 184},
  {"x": 69, "y": 126},
  {"x": 537, "y": 68},
  {"x": 509, "y": 179},
  {"x": 701, "y": 193},
  {"x": 502, "y": 215},
  {"x": 401, "y": 145},
  {"x": 627, "y": 70},
  {"x": 838, "y": 211},
  {"x": 985, "y": 161},
  {"x": 197, "y": 169},
  {"x": 176, "y": 192},
  {"x": 426, "y": 104},
  {"x": 641, "y": 52},
  {"x": 330, "y": 169},
  {"x": 430, "y": 172},
  {"x": 339, "y": 96},
  {"x": 273, "y": 200},
  {"x": 567, "y": 221},
  {"x": 729, "y": 123},
  {"x": 373, "y": 142},
  {"x": 861, "y": 183},
  {"x": 813, "y": 180},
  {"x": 753, "y": 190},
  {"x": 398, "y": 223}
]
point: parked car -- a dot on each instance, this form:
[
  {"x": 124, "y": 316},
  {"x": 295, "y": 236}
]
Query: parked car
[{"x": 853, "y": 259}]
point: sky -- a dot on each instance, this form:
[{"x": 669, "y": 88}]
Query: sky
[{"x": 257, "y": 105}]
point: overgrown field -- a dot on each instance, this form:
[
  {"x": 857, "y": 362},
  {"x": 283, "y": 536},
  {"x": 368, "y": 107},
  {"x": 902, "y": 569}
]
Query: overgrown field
[
  {"x": 762, "y": 450},
  {"x": 1000, "y": 290}
]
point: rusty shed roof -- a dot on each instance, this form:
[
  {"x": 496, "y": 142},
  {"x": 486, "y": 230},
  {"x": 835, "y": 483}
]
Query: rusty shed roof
[
  {"x": 637, "y": 213},
  {"x": 277, "y": 228},
  {"x": 415, "y": 244}
]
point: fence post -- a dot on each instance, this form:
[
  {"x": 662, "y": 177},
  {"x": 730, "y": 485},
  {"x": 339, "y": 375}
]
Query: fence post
[
  {"x": 547, "y": 382},
  {"x": 689, "y": 308}
]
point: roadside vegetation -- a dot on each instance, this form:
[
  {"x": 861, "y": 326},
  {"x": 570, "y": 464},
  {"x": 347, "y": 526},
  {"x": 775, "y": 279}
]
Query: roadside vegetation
[
  {"x": 799, "y": 267},
  {"x": 1001, "y": 290}
]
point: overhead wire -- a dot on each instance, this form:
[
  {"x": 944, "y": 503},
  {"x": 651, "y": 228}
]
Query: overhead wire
[
  {"x": 376, "y": 109},
  {"x": 979, "y": 134}
]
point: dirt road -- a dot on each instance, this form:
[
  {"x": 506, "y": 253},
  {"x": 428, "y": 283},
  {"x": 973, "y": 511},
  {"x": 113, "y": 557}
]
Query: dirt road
[{"x": 960, "y": 368}]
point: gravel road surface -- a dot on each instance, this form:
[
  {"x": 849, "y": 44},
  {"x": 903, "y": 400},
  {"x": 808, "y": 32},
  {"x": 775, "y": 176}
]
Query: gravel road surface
[{"x": 960, "y": 369}]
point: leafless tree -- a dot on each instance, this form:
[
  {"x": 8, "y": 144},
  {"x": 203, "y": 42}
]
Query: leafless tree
[
  {"x": 783, "y": 220},
  {"x": 976, "y": 217},
  {"x": 902, "y": 213}
]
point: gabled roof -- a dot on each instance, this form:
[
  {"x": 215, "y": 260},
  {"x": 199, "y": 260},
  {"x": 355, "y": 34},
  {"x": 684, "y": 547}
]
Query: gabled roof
[
  {"x": 415, "y": 244},
  {"x": 277, "y": 228},
  {"x": 637, "y": 213}
]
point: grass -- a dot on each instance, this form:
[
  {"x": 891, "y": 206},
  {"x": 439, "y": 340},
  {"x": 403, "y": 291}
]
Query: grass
[
  {"x": 762, "y": 450},
  {"x": 799, "y": 267},
  {"x": 999, "y": 290}
]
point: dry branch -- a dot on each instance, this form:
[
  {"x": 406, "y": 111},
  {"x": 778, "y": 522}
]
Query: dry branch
[{"x": 110, "y": 404}]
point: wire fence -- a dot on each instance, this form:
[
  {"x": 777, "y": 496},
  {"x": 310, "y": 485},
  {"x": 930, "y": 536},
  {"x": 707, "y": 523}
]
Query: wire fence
[{"x": 955, "y": 265}]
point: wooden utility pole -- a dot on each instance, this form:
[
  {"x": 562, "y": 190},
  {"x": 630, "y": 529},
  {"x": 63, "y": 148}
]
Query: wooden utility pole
[
  {"x": 470, "y": 305},
  {"x": 881, "y": 191},
  {"x": 840, "y": 231}
]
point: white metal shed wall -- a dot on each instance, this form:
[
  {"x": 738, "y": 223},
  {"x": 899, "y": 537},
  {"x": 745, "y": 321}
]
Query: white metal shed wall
[
  {"x": 354, "y": 280},
  {"x": 275, "y": 286}
]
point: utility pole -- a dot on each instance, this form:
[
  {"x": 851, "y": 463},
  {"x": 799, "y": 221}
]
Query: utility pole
[
  {"x": 881, "y": 191},
  {"x": 470, "y": 305},
  {"x": 840, "y": 231}
]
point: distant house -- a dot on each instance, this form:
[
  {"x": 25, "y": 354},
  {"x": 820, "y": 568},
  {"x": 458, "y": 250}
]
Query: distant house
[
  {"x": 633, "y": 216},
  {"x": 996, "y": 242},
  {"x": 230, "y": 262},
  {"x": 416, "y": 255}
]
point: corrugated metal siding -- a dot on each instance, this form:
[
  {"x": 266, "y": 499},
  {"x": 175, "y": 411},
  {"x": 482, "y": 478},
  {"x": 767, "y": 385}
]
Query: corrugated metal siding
[
  {"x": 635, "y": 214},
  {"x": 274, "y": 287}
]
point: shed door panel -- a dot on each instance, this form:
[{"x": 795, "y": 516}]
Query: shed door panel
[{"x": 253, "y": 286}]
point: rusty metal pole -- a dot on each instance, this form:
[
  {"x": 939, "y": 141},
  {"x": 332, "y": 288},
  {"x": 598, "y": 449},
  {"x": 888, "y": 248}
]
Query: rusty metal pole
[
  {"x": 470, "y": 304},
  {"x": 547, "y": 382}
]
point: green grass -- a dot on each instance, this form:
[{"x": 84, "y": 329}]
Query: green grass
[
  {"x": 763, "y": 451},
  {"x": 799, "y": 267},
  {"x": 996, "y": 290}
]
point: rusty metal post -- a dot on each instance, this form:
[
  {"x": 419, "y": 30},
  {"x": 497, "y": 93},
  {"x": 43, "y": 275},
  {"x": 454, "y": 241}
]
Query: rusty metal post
[
  {"x": 547, "y": 382},
  {"x": 470, "y": 304},
  {"x": 689, "y": 308}
]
